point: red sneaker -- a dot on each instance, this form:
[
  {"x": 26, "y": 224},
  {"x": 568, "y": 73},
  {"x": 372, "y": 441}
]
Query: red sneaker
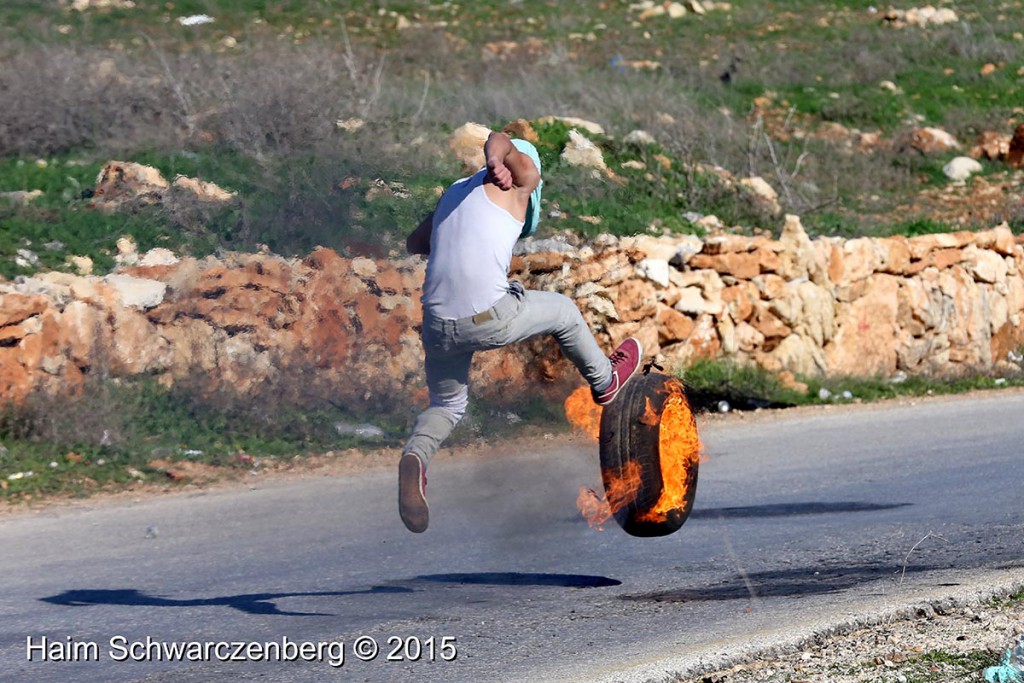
[
  {"x": 625, "y": 361},
  {"x": 412, "y": 497}
]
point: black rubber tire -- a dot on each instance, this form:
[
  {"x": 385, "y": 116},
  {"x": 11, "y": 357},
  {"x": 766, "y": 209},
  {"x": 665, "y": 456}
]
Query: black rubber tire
[{"x": 625, "y": 438}]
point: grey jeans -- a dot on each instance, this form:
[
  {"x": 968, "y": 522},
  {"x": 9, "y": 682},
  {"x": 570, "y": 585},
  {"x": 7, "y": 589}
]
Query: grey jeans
[{"x": 449, "y": 346}]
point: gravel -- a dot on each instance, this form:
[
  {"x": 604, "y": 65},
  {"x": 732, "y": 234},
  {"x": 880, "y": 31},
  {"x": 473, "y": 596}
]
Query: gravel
[{"x": 940, "y": 642}]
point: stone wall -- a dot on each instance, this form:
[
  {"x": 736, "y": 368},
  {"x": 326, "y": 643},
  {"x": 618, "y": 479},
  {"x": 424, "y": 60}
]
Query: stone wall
[{"x": 348, "y": 328}]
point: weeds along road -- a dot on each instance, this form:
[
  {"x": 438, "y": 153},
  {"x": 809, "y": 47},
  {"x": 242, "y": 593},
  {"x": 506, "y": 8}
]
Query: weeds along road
[{"x": 801, "y": 520}]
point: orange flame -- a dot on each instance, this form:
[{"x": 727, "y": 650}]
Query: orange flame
[
  {"x": 619, "y": 492},
  {"x": 679, "y": 448},
  {"x": 649, "y": 418},
  {"x": 583, "y": 414}
]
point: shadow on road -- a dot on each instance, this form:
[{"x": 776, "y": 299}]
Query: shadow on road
[
  {"x": 797, "y": 582},
  {"x": 789, "y": 509},
  {"x": 523, "y": 579},
  {"x": 263, "y": 603},
  {"x": 252, "y": 603}
]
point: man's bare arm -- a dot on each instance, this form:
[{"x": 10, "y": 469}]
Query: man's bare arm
[
  {"x": 418, "y": 241},
  {"x": 507, "y": 167}
]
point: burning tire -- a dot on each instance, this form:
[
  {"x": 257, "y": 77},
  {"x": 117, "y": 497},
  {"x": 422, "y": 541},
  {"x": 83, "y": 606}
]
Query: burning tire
[{"x": 649, "y": 455}]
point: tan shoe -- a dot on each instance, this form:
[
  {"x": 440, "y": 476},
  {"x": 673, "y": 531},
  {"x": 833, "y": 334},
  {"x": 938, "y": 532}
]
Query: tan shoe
[{"x": 412, "y": 497}]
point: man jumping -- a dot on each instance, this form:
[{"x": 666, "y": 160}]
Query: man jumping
[{"x": 470, "y": 305}]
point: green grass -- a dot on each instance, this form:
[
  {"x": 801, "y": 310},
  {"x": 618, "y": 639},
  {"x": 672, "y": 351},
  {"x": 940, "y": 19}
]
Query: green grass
[
  {"x": 748, "y": 386},
  {"x": 105, "y": 437},
  {"x": 938, "y": 665},
  {"x": 824, "y": 61}
]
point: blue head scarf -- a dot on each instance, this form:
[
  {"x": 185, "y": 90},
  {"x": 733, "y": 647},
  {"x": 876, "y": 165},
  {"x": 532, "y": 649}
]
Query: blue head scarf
[{"x": 533, "y": 207}]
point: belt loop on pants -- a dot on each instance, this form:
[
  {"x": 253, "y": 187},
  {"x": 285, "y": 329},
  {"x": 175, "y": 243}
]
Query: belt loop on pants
[{"x": 481, "y": 318}]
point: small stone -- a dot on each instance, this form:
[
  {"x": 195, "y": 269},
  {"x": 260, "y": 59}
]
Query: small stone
[
  {"x": 580, "y": 151},
  {"x": 21, "y": 197},
  {"x": 639, "y": 137},
  {"x": 961, "y": 168}
]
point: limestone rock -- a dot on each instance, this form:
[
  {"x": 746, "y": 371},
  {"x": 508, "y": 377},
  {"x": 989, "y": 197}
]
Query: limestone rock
[
  {"x": 762, "y": 194},
  {"x": 123, "y": 182},
  {"x": 920, "y": 16},
  {"x": 991, "y": 145},
  {"x": 984, "y": 265},
  {"x": 159, "y": 256},
  {"x": 639, "y": 137},
  {"x": 15, "y": 307},
  {"x": 961, "y": 168},
  {"x": 739, "y": 265},
  {"x": 135, "y": 292},
  {"x": 933, "y": 141},
  {"x": 521, "y": 129},
  {"x": 21, "y": 197},
  {"x": 83, "y": 5},
  {"x": 202, "y": 191},
  {"x": 865, "y": 340},
  {"x": 676, "y": 10},
  {"x": 467, "y": 144},
  {"x": 673, "y": 326},
  {"x": 655, "y": 270},
  {"x": 82, "y": 264},
  {"x": 799, "y": 355},
  {"x": 580, "y": 151},
  {"x": 573, "y": 122}
]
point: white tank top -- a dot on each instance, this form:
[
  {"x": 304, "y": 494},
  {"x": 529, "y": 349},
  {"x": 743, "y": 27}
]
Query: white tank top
[{"x": 470, "y": 251}]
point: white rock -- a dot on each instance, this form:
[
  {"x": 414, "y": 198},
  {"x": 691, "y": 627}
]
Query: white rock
[
  {"x": 467, "y": 144},
  {"x": 710, "y": 223},
  {"x": 364, "y": 267},
  {"x": 195, "y": 20},
  {"x": 137, "y": 292},
  {"x": 82, "y": 264},
  {"x": 533, "y": 246},
  {"x": 655, "y": 270},
  {"x": 202, "y": 190},
  {"x": 26, "y": 258},
  {"x": 691, "y": 300},
  {"x": 21, "y": 197},
  {"x": 159, "y": 257},
  {"x": 572, "y": 122},
  {"x": 689, "y": 246},
  {"x": 580, "y": 151},
  {"x": 587, "y": 289},
  {"x": 350, "y": 125},
  {"x": 961, "y": 168},
  {"x": 760, "y": 188},
  {"x": 639, "y": 137},
  {"x": 126, "y": 245},
  {"x": 602, "y": 306}
]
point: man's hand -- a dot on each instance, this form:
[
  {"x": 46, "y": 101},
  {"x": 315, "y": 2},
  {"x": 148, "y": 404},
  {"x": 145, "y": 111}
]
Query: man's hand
[
  {"x": 499, "y": 173},
  {"x": 507, "y": 167}
]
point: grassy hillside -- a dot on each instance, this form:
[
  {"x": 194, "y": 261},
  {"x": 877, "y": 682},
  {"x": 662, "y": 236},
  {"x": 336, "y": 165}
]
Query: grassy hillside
[{"x": 252, "y": 99}]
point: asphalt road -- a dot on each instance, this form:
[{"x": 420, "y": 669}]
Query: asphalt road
[{"x": 800, "y": 522}]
